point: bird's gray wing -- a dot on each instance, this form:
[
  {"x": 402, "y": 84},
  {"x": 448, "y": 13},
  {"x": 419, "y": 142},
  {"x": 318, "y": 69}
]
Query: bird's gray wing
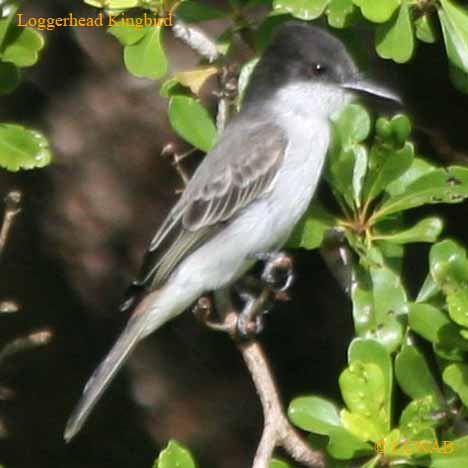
[{"x": 232, "y": 175}]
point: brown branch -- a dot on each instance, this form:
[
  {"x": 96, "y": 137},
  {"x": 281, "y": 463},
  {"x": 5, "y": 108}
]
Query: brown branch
[
  {"x": 277, "y": 430},
  {"x": 12, "y": 208}
]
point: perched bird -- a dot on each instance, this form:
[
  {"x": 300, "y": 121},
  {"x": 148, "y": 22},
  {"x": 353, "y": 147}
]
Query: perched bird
[{"x": 248, "y": 193}]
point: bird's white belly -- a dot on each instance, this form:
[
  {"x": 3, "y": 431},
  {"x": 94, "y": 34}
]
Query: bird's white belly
[{"x": 264, "y": 225}]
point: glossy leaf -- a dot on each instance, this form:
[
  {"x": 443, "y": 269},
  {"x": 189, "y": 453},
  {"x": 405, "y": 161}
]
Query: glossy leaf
[
  {"x": 344, "y": 446},
  {"x": 195, "y": 11},
  {"x": 340, "y": 13},
  {"x": 435, "y": 326},
  {"x": 425, "y": 30},
  {"x": 363, "y": 387},
  {"x": 459, "y": 78},
  {"x": 377, "y": 11},
  {"x": 302, "y": 9},
  {"x": 113, "y": 4},
  {"x": 21, "y": 148},
  {"x": 365, "y": 428},
  {"x": 22, "y": 46},
  {"x": 418, "y": 168},
  {"x": 416, "y": 419},
  {"x": 371, "y": 351},
  {"x": 413, "y": 374},
  {"x": 314, "y": 414},
  {"x": 428, "y": 290},
  {"x": 379, "y": 304},
  {"x": 310, "y": 231},
  {"x": 456, "y": 377},
  {"x": 195, "y": 79},
  {"x": 192, "y": 122},
  {"x": 244, "y": 78},
  {"x": 9, "y": 78},
  {"x": 276, "y": 463},
  {"x": 395, "y": 39},
  {"x": 127, "y": 35},
  {"x": 393, "y": 165},
  {"x": 454, "y": 21},
  {"x": 448, "y": 185},
  {"x": 452, "y": 455},
  {"x": 146, "y": 58},
  {"x": 449, "y": 268},
  {"x": 426, "y": 230},
  {"x": 175, "y": 455}
]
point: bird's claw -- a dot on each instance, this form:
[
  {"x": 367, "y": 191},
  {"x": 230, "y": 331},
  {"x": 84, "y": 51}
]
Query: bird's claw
[{"x": 278, "y": 272}]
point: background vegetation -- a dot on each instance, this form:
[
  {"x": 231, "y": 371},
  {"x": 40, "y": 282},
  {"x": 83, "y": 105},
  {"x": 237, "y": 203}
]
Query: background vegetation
[{"x": 390, "y": 285}]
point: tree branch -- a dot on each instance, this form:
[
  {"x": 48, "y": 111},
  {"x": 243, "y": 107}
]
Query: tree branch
[
  {"x": 196, "y": 39},
  {"x": 12, "y": 208},
  {"x": 277, "y": 430}
]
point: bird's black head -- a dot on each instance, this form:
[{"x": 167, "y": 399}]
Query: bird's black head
[
  {"x": 305, "y": 54},
  {"x": 301, "y": 52}
]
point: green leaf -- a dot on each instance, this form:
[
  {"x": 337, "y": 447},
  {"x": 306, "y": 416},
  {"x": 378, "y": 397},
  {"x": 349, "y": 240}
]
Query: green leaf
[
  {"x": 21, "y": 148},
  {"x": 377, "y": 11},
  {"x": 312, "y": 227},
  {"x": 425, "y": 30},
  {"x": 113, "y": 4},
  {"x": 146, "y": 58},
  {"x": 418, "y": 168},
  {"x": 428, "y": 290},
  {"x": 372, "y": 463},
  {"x": 379, "y": 303},
  {"x": 372, "y": 352},
  {"x": 302, "y": 9},
  {"x": 414, "y": 376},
  {"x": 340, "y": 13},
  {"x": 244, "y": 78},
  {"x": 365, "y": 428},
  {"x": 5, "y": 24},
  {"x": 353, "y": 125},
  {"x": 172, "y": 87},
  {"x": 276, "y": 463},
  {"x": 314, "y": 414},
  {"x": 448, "y": 185},
  {"x": 426, "y": 230},
  {"x": 363, "y": 387},
  {"x": 449, "y": 268},
  {"x": 192, "y": 122},
  {"x": 195, "y": 11},
  {"x": 452, "y": 454},
  {"x": 175, "y": 455},
  {"x": 435, "y": 326},
  {"x": 393, "y": 165},
  {"x": 395, "y": 39},
  {"x": 9, "y": 78},
  {"x": 454, "y": 21},
  {"x": 22, "y": 46},
  {"x": 344, "y": 446},
  {"x": 127, "y": 35},
  {"x": 456, "y": 377},
  {"x": 459, "y": 78},
  {"x": 347, "y": 162},
  {"x": 416, "y": 419}
]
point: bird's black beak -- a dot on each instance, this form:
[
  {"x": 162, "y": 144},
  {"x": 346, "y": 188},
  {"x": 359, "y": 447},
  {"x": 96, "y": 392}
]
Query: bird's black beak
[{"x": 364, "y": 86}]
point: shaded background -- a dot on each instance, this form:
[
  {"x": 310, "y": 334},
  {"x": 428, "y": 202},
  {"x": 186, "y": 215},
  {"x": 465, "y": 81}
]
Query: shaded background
[{"x": 85, "y": 224}]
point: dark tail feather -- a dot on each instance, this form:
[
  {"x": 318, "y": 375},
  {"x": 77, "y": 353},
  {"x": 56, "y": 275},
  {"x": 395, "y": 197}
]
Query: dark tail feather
[{"x": 104, "y": 374}]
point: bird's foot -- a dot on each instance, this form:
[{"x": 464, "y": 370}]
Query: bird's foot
[
  {"x": 278, "y": 272},
  {"x": 250, "y": 321}
]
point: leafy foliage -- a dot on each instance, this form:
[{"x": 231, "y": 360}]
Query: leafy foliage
[{"x": 20, "y": 148}]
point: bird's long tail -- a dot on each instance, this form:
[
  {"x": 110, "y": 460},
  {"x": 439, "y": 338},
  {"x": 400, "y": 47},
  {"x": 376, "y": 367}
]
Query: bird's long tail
[{"x": 136, "y": 329}]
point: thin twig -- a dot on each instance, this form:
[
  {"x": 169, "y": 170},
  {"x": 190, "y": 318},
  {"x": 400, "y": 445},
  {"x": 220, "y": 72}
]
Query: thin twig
[
  {"x": 24, "y": 343},
  {"x": 277, "y": 431},
  {"x": 12, "y": 208},
  {"x": 196, "y": 39}
]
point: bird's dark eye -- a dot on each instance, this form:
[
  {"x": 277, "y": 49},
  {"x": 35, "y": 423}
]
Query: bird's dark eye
[{"x": 318, "y": 69}]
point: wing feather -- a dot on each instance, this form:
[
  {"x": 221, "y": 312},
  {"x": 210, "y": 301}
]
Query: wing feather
[{"x": 232, "y": 175}]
